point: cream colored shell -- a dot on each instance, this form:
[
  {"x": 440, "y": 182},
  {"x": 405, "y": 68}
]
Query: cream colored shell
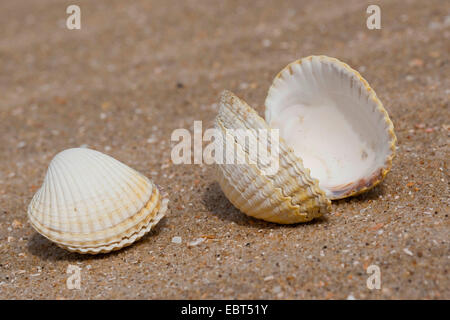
[
  {"x": 289, "y": 196},
  {"x": 335, "y": 122},
  {"x": 336, "y": 141},
  {"x": 92, "y": 203}
]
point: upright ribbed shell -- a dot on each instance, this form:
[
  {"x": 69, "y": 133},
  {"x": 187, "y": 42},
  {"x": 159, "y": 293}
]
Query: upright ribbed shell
[
  {"x": 289, "y": 196},
  {"x": 92, "y": 203}
]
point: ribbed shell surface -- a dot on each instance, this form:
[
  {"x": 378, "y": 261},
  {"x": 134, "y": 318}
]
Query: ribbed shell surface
[
  {"x": 288, "y": 196},
  {"x": 91, "y": 203}
]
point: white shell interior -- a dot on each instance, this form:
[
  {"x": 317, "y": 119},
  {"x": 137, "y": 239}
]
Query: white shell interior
[{"x": 331, "y": 120}]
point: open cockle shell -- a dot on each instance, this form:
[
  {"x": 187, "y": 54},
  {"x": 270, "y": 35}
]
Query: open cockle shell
[
  {"x": 334, "y": 122},
  {"x": 288, "y": 196},
  {"x": 92, "y": 203}
]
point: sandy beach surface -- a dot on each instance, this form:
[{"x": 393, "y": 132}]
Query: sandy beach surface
[{"x": 137, "y": 70}]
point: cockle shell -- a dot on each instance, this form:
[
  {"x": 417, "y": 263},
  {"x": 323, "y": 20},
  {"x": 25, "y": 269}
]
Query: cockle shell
[
  {"x": 92, "y": 203},
  {"x": 334, "y": 122},
  {"x": 336, "y": 140},
  {"x": 288, "y": 196}
]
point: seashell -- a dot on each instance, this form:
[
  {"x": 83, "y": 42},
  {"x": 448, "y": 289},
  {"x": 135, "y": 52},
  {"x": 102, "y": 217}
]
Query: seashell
[
  {"x": 92, "y": 203},
  {"x": 336, "y": 140},
  {"x": 334, "y": 122},
  {"x": 288, "y": 196}
]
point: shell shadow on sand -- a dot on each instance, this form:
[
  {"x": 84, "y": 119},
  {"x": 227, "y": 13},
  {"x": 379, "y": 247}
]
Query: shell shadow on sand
[
  {"x": 46, "y": 250},
  {"x": 215, "y": 202}
]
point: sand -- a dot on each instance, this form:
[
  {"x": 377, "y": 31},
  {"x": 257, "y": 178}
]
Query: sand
[{"x": 138, "y": 70}]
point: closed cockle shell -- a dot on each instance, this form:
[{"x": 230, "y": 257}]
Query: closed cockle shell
[
  {"x": 288, "y": 195},
  {"x": 92, "y": 203}
]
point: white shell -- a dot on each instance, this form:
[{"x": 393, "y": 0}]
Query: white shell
[
  {"x": 334, "y": 122},
  {"x": 289, "y": 196},
  {"x": 92, "y": 203}
]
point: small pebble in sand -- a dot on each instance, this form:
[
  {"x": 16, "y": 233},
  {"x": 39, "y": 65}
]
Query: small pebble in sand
[
  {"x": 21, "y": 144},
  {"x": 364, "y": 209},
  {"x": 196, "y": 242},
  {"x": 268, "y": 278},
  {"x": 351, "y": 297},
  {"x": 416, "y": 62},
  {"x": 420, "y": 125},
  {"x": 407, "y": 251},
  {"x": 176, "y": 240},
  {"x": 151, "y": 140},
  {"x": 266, "y": 43},
  {"x": 16, "y": 224},
  {"x": 243, "y": 86},
  {"x": 164, "y": 166}
]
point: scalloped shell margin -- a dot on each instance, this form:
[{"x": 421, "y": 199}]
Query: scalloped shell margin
[{"x": 127, "y": 241}]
